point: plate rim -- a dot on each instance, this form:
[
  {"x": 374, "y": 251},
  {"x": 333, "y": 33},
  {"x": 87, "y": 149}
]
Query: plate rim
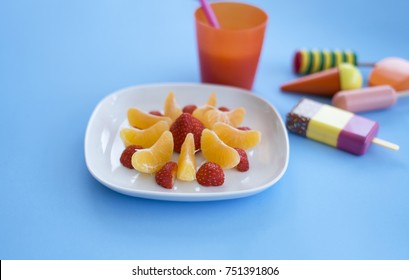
[{"x": 172, "y": 196}]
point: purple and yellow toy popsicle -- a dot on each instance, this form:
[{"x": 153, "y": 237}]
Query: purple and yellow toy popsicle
[{"x": 335, "y": 127}]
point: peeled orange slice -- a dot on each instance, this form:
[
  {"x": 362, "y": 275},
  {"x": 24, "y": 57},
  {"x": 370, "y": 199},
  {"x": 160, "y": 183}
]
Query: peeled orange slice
[
  {"x": 171, "y": 108},
  {"x": 233, "y": 118},
  {"x": 150, "y": 160},
  {"x": 236, "y": 138},
  {"x": 212, "y": 99},
  {"x": 201, "y": 111},
  {"x": 139, "y": 119},
  {"x": 143, "y": 137},
  {"x": 215, "y": 150},
  {"x": 187, "y": 162}
]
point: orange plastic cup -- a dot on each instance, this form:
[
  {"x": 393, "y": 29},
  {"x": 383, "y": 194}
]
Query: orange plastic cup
[{"x": 229, "y": 55}]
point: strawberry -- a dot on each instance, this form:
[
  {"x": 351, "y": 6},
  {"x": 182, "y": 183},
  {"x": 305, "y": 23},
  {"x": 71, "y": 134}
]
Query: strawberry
[
  {"x": 165, "y": 177},
  {"x": 210, "y": 174},
  {"x": 126, "y": 155},
  {"x": 189, "y": 108},
  {"x": 244, "y": 128},
  {"x": 156, "y": 113},
  {"x": 224, "y": 109},
  {"x": 243, "y": 165},
  {"x": 183, "y": 125}
]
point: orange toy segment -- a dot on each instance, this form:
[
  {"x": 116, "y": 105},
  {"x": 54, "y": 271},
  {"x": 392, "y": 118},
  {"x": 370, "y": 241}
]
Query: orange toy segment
[
  {"x": 139, "y": 119},
  {"x": 150, "y": 160},
  {"x": 233, "y": 118},
  {"x": 236, "y": 138},
  {"x": 325, "y": 83},
  {"x": 143, "y": 137},
  {"x": 187, "y": 161},
  {"x": 171, "y": 108},
  {"x": 215, "y": 150},
  {"x": 392, "y": 71}
]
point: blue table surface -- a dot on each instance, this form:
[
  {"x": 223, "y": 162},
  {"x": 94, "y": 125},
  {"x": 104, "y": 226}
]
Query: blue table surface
[{"x": 58, "y": 59}]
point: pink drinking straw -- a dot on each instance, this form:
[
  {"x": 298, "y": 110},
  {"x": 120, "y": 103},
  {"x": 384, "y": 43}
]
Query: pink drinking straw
[{"x": 211, "y": 17}]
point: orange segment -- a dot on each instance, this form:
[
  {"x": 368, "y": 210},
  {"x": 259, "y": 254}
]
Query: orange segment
[
  {"x": 212, "y": 99},
  {"x": 171, "y": 109},
  {"x": 143, "y": 137},
  {"x": 214, "y": 150},
  {"x": 187, "y": 162},
  {"x": 150, "y": 160},
  {"x": 233, "y": 118},
  {"x": 201, "y": 111},
  {"x": 139, "y": 119},
  {"x": 236, "y": 138}
]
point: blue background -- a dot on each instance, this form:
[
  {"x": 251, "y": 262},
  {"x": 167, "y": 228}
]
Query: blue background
[{"x": 58, "y": 59}]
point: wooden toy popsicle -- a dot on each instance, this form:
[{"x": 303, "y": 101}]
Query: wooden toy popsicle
[
  {"x": 335, "y": 127},
  {"x": 368, "y": 98},
  {"x": 328, "y": 82},
  {"x": 312, "y": 61}
]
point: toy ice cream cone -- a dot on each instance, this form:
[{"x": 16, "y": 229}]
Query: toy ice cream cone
[{"x": 327, "y": 82}]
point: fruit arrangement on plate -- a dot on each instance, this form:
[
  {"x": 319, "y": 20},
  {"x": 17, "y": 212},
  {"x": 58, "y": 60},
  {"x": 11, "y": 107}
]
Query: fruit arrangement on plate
[{"x": 153, "y": 137}]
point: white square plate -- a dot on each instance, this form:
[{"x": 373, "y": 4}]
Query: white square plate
[{"x": 103, "y": 146}]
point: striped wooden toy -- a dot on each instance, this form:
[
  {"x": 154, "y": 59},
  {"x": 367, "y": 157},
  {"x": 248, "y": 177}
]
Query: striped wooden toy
[{"x": 311, "y": 61}]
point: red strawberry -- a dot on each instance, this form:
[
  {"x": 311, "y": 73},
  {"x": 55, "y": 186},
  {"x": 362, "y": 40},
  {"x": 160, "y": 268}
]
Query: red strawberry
[
  {"x": 165, "y": 177},
  {"x": 183, "y": 125},
  {"x": 244, "y": 128},
  {"x": 210, "y": 174},
  {"x": 156, "y": 113},
  {"x": 189, "y": 109},
  {"x": 224, "y": 109},
  {"x": 243, "y": 165},
  {"x": 126, "y": 155}
]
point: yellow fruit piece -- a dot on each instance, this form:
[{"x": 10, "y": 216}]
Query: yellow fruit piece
[
  {"x": 236, "y": 138},
  {"x": 144, "y": 137},
  {"x": 139, "y": 119},
  {"x": 171, "y": 109},
  {"x": 233, "y": 118},
  {"x": 150, "y": 160},
  {"x": 212, "y": 99},
  {"x": 215, "y": 150},
  {"x": 201, "y": 111},
  {"x": 187, "y": 161}
]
